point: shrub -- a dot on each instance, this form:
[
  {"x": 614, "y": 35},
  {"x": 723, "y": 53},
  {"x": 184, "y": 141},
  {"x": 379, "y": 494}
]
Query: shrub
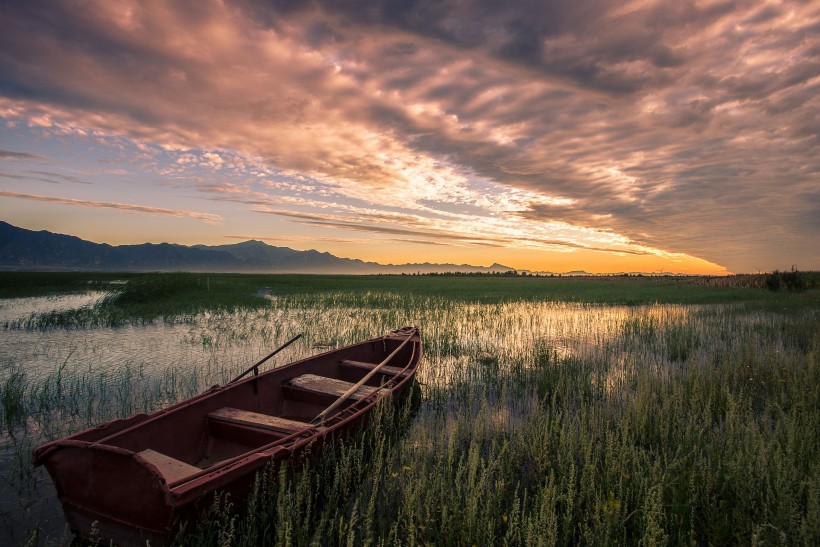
[
  {"x": 794, "y": 280},
  {"x": 773, "y": 281}
]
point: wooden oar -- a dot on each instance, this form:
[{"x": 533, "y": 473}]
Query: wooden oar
[
  {"x": 361, "y": 382},
  {"x": 160, "y": 415},
  {"x": 255, "y": 367}
]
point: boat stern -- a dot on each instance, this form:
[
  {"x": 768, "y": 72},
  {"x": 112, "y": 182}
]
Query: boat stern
[{"x": 108, "y": 488}]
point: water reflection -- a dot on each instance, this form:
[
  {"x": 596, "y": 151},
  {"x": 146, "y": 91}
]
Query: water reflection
[
  {"x": 76, "y": 378},
  {"x": 13, "y": 309}
]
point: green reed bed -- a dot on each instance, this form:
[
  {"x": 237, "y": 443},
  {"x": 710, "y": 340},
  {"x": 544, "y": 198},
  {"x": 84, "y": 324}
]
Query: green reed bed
[
  {"x": 541, "y": 421},
  {"x": 623, "y": 446},
  {"x": 144, "y": 298},
  {"x": 22, "y": 284},
  {"x": 175, "y": 297}
]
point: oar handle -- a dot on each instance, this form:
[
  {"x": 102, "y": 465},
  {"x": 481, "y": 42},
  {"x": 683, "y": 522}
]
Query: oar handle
[{"x": 255, "y": 366}]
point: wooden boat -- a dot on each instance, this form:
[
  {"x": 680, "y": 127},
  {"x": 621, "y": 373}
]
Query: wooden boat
[{"x": 136, "y": 479}]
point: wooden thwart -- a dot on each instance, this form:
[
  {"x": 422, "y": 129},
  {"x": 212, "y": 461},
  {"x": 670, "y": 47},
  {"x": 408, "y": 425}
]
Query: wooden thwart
[
  {"x": 262, "y": 421},
  {"x": 355, "y": 388},
  {"x": 391, "y": 371},
  {"x": 330, "y": 386},
  {"x": 170, "y": 468}
]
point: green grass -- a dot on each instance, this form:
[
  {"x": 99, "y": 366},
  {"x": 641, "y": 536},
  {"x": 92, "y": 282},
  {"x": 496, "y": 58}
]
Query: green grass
[
  {"x": 718, "y": 449},
  {"x": 190, "y": 291},
  {"x": 491, "y": 289},
  {"x": 555, "y": 411},
  {"x": 21, "y": 284},
  {"x": 178, "y": 296}
]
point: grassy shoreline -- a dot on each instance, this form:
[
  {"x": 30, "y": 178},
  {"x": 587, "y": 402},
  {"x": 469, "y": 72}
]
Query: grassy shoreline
[
  {"x": 699, "y": 429},
  {"x": 664, "y": 414},
  {"x": 141, "y": 298}
]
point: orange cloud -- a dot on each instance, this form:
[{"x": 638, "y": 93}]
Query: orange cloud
[{"x": 205, "y": 217}]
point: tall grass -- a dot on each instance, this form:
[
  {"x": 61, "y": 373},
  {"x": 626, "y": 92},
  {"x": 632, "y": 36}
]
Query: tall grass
[
  {"x": 541, "y": 422},
  {"x": 178, "y": 297},
  {"x": 623, "y": 446},
  {"x": 22, "y": 284}
]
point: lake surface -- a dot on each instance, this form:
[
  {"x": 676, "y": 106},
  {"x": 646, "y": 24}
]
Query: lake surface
[
  {"x": 13, "y": 309},
  {"x": 70, "y": 379}
]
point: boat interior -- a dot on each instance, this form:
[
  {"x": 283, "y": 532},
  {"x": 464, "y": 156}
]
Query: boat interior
[{"x": 274, "y": 406}]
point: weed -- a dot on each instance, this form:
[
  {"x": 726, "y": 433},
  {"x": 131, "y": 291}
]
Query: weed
[{"x": 542, "y": 420}]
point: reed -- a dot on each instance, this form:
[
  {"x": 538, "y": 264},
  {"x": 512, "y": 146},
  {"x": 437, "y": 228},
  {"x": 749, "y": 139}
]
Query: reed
[
  {"x": 179, "y": 297},
  {"x": 541, "y": 422}
]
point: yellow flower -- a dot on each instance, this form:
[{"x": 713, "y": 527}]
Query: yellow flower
[{"x": 612, "y": 506}]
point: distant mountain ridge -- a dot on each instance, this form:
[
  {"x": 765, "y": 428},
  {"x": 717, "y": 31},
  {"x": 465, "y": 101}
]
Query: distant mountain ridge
[{"x": 22, "y": 249}]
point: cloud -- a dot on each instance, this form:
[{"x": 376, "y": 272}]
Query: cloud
[
  {"x": 423, "y": 242},
  {"x": 293, "y": 239},
  {"x": 49, "y": 177},
  {"x": 9, "y": 155},
  {"x": 335, "y": 222},
  {"x": 464, "y": 237},
  {"x": 129, "y": 208},
  {"x": 43, "y": 176},
  {"x": 462, "y": 227},
  {"x": 642, "y": 126}
]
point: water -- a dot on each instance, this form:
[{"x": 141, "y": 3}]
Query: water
[
  {"x": 77, "y": 378},
  {"x": 12, "y": 309},
  {"x": 107, "y": 370}
]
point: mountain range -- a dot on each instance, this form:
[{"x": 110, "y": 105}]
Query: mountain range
[{"x": 22, "y": 249}]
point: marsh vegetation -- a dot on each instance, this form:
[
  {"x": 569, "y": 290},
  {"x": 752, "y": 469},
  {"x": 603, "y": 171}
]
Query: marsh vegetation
[{"x": 553, "y": 411}]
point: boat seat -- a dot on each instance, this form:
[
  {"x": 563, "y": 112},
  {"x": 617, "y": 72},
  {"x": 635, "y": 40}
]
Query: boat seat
[
  {"x": 170, "y": 468},
  {"x": 262, "y": 421},
  {"x": 329, "y": 387},
  {"x": 361, "y": 365}
]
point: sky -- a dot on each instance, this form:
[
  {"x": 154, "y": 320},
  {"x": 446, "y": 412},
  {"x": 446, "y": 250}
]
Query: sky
[{"x": 551, "y": 135}]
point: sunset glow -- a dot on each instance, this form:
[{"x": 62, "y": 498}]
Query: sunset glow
[{"x": 604, "y": 136}]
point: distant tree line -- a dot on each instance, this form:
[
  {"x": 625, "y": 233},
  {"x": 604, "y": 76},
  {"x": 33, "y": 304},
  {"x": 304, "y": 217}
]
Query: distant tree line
[
  {"x": 793, "y": 280},
  {"x": 509, "y": 273}
]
